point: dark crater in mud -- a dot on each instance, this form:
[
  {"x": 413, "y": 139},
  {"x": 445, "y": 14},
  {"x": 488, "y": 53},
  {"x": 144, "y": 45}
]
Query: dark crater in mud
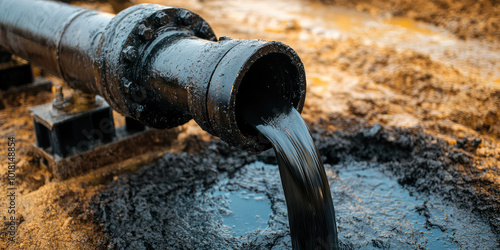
[{"x": 391, "y": 188}]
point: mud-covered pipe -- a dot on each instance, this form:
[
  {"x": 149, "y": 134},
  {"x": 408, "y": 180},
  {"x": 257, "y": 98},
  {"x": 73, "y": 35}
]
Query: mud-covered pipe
[{"x": 160, "y": 65}]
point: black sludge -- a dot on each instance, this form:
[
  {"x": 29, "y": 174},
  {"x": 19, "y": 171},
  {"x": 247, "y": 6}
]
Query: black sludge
[{"x": 310, "y": 209}]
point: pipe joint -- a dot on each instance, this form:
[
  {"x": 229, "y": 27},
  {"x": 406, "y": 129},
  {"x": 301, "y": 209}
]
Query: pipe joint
[{"x": 118, "y": 65}]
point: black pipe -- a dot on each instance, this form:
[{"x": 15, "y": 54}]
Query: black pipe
[{"x": 157, "y": 64}]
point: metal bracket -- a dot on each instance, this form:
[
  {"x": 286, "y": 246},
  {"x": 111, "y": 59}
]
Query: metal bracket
[{"x": 68, "y": 134}]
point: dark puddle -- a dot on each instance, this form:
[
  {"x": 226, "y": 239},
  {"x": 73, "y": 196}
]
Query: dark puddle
[
  {"x": 377, "y": 211},
  {"x": 246, "y": 211},
  {"x": 373, "y": 208},
  {"x": 389, "y": 188}
]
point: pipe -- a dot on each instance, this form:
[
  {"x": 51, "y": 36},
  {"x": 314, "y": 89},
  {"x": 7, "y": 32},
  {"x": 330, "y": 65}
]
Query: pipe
[{"x": 160, "y": 65}]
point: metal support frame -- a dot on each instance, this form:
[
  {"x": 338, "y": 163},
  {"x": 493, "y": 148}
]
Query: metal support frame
[{"x": 73, "y": 133}]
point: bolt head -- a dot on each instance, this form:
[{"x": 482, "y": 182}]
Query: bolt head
[
  {"x": 184, "y": 17},
  {"x": 144, "y": 32},
  {"x": 129, "y": 53},
  {"x": 161, "y": 18},
  {"x": 126, "y": 86},
  {"x": 137, "y": 110},
  {"x": 202, "y": 29},
  {"x": 57, "y": 89}
]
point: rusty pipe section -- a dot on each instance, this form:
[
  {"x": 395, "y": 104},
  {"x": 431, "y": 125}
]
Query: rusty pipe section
[{"x": 160, "y": 65}]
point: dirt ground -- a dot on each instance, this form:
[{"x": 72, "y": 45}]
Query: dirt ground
[
  {"x": 403, "y": 103},
  {"x": 465, "y": 18}
]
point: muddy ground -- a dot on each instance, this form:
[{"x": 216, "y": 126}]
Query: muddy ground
[
  {"x": 405, "y": 114},
  {"x": 465, "y": 18}
]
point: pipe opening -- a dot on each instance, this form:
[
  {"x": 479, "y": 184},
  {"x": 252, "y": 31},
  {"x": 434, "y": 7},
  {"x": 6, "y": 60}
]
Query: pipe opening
[{"x": 269, "y": 82}]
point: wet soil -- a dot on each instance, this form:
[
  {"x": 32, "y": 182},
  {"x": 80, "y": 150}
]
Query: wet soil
[
  {"x": 465, "y": 18},
  {"x": 404, "y": 113}
]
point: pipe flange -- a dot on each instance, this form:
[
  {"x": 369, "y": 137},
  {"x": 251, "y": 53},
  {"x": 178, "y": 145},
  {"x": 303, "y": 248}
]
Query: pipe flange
[{"x": 117, "y": 57}]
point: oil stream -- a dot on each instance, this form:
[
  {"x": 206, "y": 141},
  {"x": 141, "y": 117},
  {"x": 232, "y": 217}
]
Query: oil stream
[{"x": 311, "y": 214}]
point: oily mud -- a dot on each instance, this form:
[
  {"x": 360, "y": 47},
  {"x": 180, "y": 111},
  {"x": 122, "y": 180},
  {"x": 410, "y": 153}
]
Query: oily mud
[{"x": 391, "y": 188}]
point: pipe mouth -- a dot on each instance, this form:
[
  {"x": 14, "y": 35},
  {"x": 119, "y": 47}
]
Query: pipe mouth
[{"x": 252, "y": 79}]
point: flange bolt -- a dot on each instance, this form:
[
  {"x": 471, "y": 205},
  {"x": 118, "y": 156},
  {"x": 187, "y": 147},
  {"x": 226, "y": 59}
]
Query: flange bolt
[
  {"x": 144, "y": 32},
  {"x": 129, "y": 53}
]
